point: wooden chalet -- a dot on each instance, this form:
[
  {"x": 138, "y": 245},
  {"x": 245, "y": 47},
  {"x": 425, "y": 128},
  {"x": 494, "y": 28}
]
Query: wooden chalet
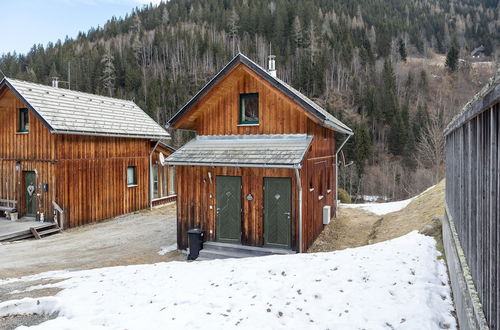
[
  {"x": 262, "y": 168},
  {"x": 84, "y": 156}
]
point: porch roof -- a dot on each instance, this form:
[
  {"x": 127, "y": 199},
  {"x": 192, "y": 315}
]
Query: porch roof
[{"x": 277, "y": 150}]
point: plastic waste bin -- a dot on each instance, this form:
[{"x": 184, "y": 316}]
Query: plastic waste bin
[{"x": 195, "y": 238}]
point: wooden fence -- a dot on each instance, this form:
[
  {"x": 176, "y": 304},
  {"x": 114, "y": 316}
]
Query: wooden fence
[{"x": 473, "y": 193}]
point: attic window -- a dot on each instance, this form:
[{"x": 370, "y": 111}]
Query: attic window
[
  {"x": 249, "y": 108},
  {"x": 23, "y": 120}
]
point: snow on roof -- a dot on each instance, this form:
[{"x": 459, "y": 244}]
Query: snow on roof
[
  {"x": 278, "y": 150},
  {"x": 70, "y": 112}
]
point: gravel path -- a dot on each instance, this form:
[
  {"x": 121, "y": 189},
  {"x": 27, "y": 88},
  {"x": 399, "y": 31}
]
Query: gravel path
[{"x": 130, "y": 239}]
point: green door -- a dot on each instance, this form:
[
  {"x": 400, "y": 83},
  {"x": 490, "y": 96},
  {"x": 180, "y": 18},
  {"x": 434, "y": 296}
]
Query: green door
[
  {"x": 228, "y": 191},
  {"x": 277, "y": 212},
  {"x": 30, "y": 192}
]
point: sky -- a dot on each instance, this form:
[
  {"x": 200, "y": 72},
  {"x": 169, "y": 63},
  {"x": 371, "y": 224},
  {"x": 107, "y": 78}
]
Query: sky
[{"x": 29, "y": 22}]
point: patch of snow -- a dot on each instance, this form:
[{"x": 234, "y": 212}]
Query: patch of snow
[
  {"x": 393, "y": 284},
  {"x": 373, "y": 198},
  {"x": 384, "y": 208},
  {"x": 166, "y": 249}
]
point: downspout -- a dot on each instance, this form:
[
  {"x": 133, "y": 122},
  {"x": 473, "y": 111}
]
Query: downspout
[
  {"x": 299, "y": 187},
  {"x": 337, "y": 172},
  {"x": 151, "y": 175}
]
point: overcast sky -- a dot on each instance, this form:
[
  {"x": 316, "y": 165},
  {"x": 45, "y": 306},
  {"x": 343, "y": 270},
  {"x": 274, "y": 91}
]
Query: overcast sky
[{"x": 29, "y": 22}]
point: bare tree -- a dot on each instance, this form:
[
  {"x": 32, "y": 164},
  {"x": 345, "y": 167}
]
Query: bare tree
[
  {"x": 430, "y": 147},
  {"x": 108, "y": 72},
  {"x": 233, "y": 28}
]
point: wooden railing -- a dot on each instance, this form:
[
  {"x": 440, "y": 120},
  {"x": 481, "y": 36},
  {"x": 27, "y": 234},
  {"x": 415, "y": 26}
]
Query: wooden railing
[
  {"x": 473, "y": 194},
  {"x": 59, "y": 215}
]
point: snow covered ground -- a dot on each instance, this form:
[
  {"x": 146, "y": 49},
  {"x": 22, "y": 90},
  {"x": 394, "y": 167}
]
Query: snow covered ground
[
  {"x": 397, "y": 284},
  {"x": 384, "y": 208}
]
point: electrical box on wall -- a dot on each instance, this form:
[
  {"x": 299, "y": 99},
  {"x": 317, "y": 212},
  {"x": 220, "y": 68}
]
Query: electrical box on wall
[
  {"x": 327, "y": 211},
  {"x": 45, "y": 187}
]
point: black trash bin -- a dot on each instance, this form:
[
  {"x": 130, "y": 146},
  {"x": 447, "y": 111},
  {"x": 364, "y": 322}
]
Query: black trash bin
[{"x": 195, "y": 237}]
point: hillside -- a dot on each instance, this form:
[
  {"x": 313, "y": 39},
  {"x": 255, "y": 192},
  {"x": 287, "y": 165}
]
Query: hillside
[
  {"x": 377, "y": 65},
  {"x": 363, "y": 224}
]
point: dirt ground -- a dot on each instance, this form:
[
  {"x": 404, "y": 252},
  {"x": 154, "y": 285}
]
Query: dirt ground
[
  {"x": 356, "y": 227},
  {"x": 130, "y": 239}
]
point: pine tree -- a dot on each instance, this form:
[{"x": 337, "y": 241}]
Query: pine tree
[
  {"x": 402, "y": 50},
  {"x": 452, "y": 58}
]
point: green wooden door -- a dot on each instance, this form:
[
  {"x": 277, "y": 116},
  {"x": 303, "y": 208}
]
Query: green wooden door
[
  {"x": 30, "y": 193},
  {"x": 228, "y": 193},
  {"x": 277, "y": 212}
]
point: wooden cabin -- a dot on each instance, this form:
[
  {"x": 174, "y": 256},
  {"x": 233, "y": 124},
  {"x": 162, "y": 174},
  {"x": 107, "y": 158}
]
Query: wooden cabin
[
  {"x": 262, "y": 168},
  {"x": 86, "y": 155}
]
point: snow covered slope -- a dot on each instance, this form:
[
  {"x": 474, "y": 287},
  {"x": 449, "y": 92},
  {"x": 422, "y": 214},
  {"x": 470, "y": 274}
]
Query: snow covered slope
[
  {"x": 397, "y": 284},
  {"x": 384, "y": 208}
]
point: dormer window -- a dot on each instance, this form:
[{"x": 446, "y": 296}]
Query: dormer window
[
  {"x": 249, "y": 108},
  {"x": 23, "y": 120}
]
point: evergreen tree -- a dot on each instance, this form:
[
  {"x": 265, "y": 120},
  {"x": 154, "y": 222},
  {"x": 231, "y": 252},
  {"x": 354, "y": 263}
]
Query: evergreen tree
[
  {"x": 452, "y": 58},
  {"x": 402, "y": 50}
]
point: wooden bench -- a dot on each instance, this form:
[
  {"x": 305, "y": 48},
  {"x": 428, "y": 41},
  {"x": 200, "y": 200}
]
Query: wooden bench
[{"x": 7, "y": 205}]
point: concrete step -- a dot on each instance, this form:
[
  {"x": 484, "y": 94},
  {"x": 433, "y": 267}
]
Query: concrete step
[
  {"x": 207, "y": 254},
  {"x": 217, "y": 250},
  {"x": 253, "y": 250}
]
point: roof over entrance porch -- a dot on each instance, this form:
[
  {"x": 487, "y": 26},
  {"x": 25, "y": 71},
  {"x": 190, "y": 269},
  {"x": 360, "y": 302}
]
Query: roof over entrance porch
[{"x": 273, "y": 151}]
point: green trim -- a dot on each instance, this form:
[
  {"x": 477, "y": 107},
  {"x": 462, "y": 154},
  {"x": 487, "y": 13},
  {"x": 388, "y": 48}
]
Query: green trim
[
  {"x": 242, "y": 98},
  {"x": 134, "y": 181},
  {"x": 23, "y": 121}
]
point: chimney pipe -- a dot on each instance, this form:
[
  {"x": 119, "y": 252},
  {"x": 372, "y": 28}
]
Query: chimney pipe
[
  {"x": 55, "y": 82},
  {"x": 272, "y": 65}
]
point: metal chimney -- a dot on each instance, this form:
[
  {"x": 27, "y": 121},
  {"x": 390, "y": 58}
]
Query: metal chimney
[
  {"x": 272, "y": 65},
  {"x": 55, "y": 82}
]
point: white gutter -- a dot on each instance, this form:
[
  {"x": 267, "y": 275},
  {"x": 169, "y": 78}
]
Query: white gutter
[
  {"x": 151, "y": 175},
  {"x": 299, "y": 188},
  {"x": 337, "y": 172}
]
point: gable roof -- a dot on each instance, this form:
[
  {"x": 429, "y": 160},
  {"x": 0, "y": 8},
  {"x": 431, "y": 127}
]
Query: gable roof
[
  {"x": 64, "y": 111},
  {"x": 325, "y": 118}
]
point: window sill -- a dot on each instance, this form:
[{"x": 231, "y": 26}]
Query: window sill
[
  {"x": 132, "y": 185},
  {"x": 249, "y": 124},
  {"x": 22, "y": 133}
]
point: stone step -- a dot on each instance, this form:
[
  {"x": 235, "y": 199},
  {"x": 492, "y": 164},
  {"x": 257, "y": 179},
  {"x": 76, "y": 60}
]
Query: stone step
[
  {"x": 254, "y": 250},
  {"x": 207, "y": 254}
]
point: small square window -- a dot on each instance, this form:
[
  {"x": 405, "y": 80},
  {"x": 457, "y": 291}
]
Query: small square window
[
  {"x": 131, "y": 176},
  {"x": 249, "y": 108},
  {"x": 23, "y": 120}
]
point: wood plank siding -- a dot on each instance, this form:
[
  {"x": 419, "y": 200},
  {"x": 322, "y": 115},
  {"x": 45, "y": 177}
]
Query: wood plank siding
[
  {"x": 217, "y": 113},
  {"x": 86, "y": 175}
]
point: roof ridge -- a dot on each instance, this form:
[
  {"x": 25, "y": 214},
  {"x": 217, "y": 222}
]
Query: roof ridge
[{"x": 66, "y": 89}]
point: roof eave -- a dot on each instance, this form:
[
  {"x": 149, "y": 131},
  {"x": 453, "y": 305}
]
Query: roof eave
[
  {"x": 215, "y": 164},
  {"x": 333, "y": 126},
  {"x": 133, "y": 136}
]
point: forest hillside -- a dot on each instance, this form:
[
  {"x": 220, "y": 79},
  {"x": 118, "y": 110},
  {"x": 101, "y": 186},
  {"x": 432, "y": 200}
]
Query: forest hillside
[{"x": 396, "y": 71}]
